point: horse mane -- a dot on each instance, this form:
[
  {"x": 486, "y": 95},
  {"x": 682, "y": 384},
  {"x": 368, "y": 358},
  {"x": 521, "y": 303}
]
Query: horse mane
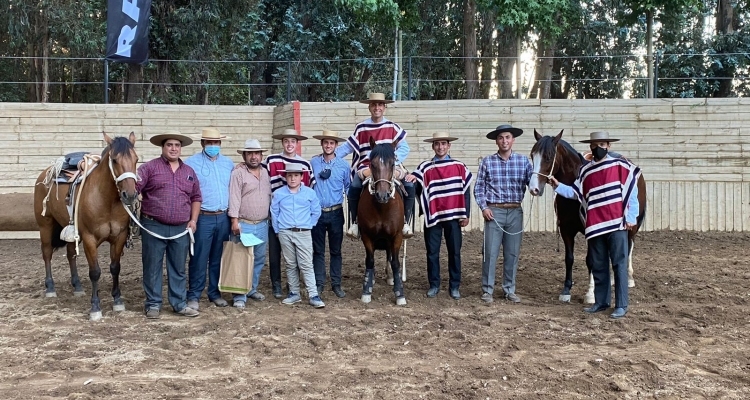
[
  {"x": 120, "y": 146},
  {"x": 383, "y": 151},
  {"x": 548, "y": 149}
]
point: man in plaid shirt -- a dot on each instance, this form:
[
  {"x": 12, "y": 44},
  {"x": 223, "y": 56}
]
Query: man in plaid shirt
[{"x": 501, "y": 184}]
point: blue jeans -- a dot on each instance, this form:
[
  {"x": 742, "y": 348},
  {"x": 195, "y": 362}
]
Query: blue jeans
[
  {"x": 152, "y": 256},
  {"x": 331, "y": 222},
  {"x": 511, "y": 220},
  {"x": 260, "y": 230},
  {"x": 210, "y": 234},
  {"x": 610, "y": 247},
  {"x": 453, "y": 240}
]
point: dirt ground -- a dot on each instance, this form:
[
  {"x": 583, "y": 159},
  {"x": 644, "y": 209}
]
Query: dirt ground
[{"x": 687, "y": 334}]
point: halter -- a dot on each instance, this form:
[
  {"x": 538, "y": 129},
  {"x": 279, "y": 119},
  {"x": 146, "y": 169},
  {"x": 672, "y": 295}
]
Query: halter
[
  {"x": 371, "y": 186},
  {"x": 123, "y": 176},
  {"x": 551, "y": 170}
]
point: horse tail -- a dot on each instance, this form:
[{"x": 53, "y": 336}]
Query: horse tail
[{"x": 57, "y": 242}]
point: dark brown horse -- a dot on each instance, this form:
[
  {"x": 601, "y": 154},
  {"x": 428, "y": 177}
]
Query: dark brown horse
[
  {"x": 380, "y": 218},
  {"x": 552, "y": 156},
  {"x": 101, "y": 217}
]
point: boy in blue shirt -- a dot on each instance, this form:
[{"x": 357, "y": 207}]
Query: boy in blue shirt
[{"x": 295, "y": 209}]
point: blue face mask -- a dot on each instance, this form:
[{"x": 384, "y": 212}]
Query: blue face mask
[{"x": 212, "y": 151}]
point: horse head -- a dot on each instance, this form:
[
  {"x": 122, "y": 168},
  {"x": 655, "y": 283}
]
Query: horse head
[
  {"x": 122, "y": 164},
  {"x": 544, "y": 161},
  {"x": 382, "y": 161}
]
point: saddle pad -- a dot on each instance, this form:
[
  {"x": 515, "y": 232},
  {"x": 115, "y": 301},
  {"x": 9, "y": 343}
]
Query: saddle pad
[{"x": 72, "y": 160}]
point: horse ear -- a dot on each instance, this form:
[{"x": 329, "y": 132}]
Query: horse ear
[
  {"x": 395, "y": 144},
  {"x": 537, "y": 136},
  {"x": 107, "y": 139},
  {"x": 559, "y": 136},
  {"x": 132, "y": 137},
  {"x": 372, "y": 143}
]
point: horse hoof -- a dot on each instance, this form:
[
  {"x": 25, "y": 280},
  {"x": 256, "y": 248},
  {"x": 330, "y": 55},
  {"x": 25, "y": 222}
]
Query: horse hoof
[
  {"x": 79, "y": 294},
  {"x": 565, "y": 298},
  {"x": 631, "y": 283},
  {"x": 401, "y": 301},
  {"x": 50, "y": 294},
  {"x": 589, "y": 299},
  {"x": 118, "y": 307},
  {"x": 95, "y": 316},
  {"x": 390, "y": 281},
  {"x": 366, "y": 298}
]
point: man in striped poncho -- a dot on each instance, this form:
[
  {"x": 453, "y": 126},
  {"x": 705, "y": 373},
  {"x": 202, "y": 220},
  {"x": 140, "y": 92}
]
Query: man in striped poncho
[
  {"x": 607, "y": 189},
  {"x": 445, "y": 202},
  {"x": 276, "y": 164}
]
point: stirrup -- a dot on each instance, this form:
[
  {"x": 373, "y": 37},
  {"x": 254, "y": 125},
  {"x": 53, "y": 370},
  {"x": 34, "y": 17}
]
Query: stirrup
[
  {"x": 353, "y": 231},
  {"x": 406, "y": 231}
]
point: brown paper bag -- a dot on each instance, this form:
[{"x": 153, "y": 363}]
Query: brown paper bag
[{"x": 236, "y": 274}]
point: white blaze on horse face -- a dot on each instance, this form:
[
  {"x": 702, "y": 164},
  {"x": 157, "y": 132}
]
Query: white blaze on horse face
[{"x": 536, "y": 185}]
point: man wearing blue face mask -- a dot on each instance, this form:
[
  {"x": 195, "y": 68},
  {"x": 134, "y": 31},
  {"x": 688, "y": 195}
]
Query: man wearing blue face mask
[{"x": 213, "y": 170}]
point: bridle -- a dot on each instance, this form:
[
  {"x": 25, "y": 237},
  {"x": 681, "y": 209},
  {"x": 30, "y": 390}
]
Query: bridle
[
  {"x": 123, "y": 176},
  {"x": 552, "y": 168},
  {"x": 391, "y": 185}
]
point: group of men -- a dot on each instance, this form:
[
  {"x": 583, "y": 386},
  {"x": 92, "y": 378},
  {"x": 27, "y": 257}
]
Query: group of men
[{"x": 290, "y": 205}]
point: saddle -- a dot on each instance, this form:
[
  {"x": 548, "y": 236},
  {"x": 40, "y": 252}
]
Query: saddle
[{"x": 70, "y": 170}]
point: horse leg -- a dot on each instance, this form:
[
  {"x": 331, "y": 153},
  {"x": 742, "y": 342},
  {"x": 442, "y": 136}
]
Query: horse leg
[
  {"x": 115, "y": 253},
  {"x": 589, "y": 298},
  {"x": 569, "y": 241},
  {"x": 47, "y": 249},
  {"x": 369, "y": 271},
  {"x": 631, "y": 281},
  {"x": 90, "y": 247},
  {"x": 398, "y": 285},
  {"x": 388, "y": 270},
  {"x": 75, "y": 281}
]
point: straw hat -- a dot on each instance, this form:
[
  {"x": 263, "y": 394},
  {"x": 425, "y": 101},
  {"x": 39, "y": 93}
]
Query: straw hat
[
  {"x": 289, "y": 133},
  {"x": 599, "y": 137},
  {"x": 212, "y": 134},
  {"x": 158, "y": 140},
  {"x": 516, "y": 132},
  {"x": 437, "y": 136},
  {"x": 251, "y": 145},
  {"x": 376, "y": 98},
  {"x": 294, "y": 167},
  {"x": 329, "y": 135}
]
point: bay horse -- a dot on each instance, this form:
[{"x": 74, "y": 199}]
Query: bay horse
[
  {"x": 381, "y": 218},
  {"x": 552, "y": 156},
  {"x": 109, "y": 187}
]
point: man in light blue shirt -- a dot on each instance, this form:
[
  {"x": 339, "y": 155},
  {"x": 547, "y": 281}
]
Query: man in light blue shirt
[
  {"x": 332, "y": 180},
  {"x": 213, "y": 170},
  {"x": 295, "y": 209}
]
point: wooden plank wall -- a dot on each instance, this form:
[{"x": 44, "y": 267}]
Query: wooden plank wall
[{"x": 694, "y": 152}]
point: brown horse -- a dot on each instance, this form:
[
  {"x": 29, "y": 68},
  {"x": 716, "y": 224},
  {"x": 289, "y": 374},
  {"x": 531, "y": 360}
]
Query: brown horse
[
  {"x": 380, "y": 218},
  {"x": 552, "y": 156},
  {"x": 101, "y": 217}
]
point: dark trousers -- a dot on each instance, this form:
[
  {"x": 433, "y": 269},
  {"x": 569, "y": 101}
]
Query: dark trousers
[
  {"x": 274, "y": 257},
  {"x": 331, "y": 222},
  {"x": 152, "y": 257},
  {"x": 453, "y": 239},
  {"x": 210, "y": 234},
  {"x": 610, "y": 247}
]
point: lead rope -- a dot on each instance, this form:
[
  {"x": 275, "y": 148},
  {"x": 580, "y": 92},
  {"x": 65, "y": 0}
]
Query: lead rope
[
  {"x": 526, "y": 225},
  {"x": 188, "y": 231},
  {"x": 94, "y": 159}
]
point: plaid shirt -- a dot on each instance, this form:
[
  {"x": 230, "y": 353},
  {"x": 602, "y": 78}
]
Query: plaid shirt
[
  {"x": 501, "y": 181},
  {"x": 167, "y": 195}
]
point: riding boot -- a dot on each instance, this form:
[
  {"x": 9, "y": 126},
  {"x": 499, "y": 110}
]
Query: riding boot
[
  {"x": 353, "y": 197},
  {"x": 408, "y": 210}
]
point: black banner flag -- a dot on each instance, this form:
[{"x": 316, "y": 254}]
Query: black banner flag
[{"x": 127, "y": 30}]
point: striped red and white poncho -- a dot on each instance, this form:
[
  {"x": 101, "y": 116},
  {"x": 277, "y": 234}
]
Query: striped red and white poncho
[
  {"x": 383, "y": 132},
  {"x": 605, "y": 188},
  {"x": 276, "y": 162},
  {"x": 444, "y": 185}
]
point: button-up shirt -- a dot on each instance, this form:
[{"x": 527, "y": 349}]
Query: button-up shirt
[
  {"x": 249, "y": 196},
  {"x": 214, "y": 178},
  {"x": 331, "y": 191},
  {"x": 502, "y": 181},
  {"x": 168, "y": 196},
  {"x": 294, "y": 210}
]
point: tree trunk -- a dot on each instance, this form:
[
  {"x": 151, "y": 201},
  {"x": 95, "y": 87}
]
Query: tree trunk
[
  {"x": 506, "y": 51},
  {"x": 726, "y": 24},
  {"x": 163, "y": 79},
  {"x": 470, "y": 49},
  {"x": 133, "y": 89},
  {"x": 45, "y": 67},
  {"x": 487, "y": 50}
]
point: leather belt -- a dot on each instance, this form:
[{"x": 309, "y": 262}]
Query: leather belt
[
  {"x": 504, "y": 205},
  {"x": 204, "y": 212},
  {"x": 251, "y": 222},
  {"x": 331, "y": 208},
  {"x": 298, "y": 229}
]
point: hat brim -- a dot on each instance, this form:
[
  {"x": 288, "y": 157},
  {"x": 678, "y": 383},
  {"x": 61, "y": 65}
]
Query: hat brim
[
  {"x": 282, "y": 137},
  {"x": 337, "y": 139},
  {"x": 447, "y": 138},
  {"x": 516, "y": 132},
  {"x": 240, "y": 151},
  {"x": 222, "y": 137},
  {"x": 599, "y": 140},
  {"x": 376, "y": 101},
  {"x": 283, "y": 171},
  {"x": 158, "y": 140}
]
